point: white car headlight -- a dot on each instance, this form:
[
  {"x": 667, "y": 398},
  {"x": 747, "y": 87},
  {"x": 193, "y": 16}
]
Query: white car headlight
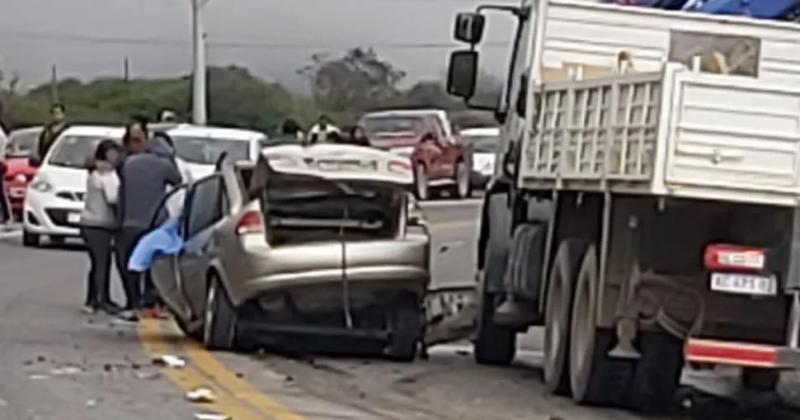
[{"x": 42, "y": 185}]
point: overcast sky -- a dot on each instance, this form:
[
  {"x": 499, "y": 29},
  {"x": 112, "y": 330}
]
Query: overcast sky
[{"x": 90, "y": 38}]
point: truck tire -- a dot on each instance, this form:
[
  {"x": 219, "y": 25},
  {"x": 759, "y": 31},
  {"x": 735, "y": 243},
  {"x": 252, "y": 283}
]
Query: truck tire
[
  {"x": 405, "y": 323},
  {"x": 595, "y": 378},
  {"x": 219, "y": 326},
  {"x": 494, "y": 344},
  {"x": 421, "y": 186},
  {"x": 462, "y": 184},
  {"x": 558, "y": 310},
  {"x": 30, "y": 240},
  {"x": 657, "y": 373}
]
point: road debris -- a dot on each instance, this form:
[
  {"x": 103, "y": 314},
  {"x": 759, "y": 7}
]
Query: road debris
[
  {"x": 66, "y": 371},
  {"x": 3, "y": 403},
  {"x": 148, "y": 376},
  {"x": 37, "y": 377},
  {"x": 200, "y": 395},
  {"x": 170, "y": 361},
  {"x": 91, "y": 403},
  {"x": 210, "y": 416}
]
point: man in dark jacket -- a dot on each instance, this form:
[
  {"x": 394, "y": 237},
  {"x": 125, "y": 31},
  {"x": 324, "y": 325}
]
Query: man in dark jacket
[
  {"x": 52, "y": 130},
  {"x": 143, "y": 181}
]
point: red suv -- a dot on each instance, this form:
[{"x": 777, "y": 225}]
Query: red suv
[
  {"x": 440, "y": 160},
  {"x": 19, "y": 172}
]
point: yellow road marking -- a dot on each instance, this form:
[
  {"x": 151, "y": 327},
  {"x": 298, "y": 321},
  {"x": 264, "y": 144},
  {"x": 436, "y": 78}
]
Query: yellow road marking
[{"x": 234, "y": 396}]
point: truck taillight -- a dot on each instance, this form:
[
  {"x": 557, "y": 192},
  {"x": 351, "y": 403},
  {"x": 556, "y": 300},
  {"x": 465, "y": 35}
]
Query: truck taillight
[
  {"x": 734, "y": 257},
  {"x": 251, "y": 222}
]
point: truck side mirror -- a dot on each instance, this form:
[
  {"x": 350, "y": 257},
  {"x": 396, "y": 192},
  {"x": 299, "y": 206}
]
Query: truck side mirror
[
  {"x": 469, "y": 27},
  {"x": 462, "y": 75}
]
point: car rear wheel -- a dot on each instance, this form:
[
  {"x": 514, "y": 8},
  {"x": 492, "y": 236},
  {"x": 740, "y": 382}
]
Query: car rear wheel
[
  {"x": 421, "y": 188},
  {"x": 30, "y": 240},
  {"x": 405, "y": 324},
  {"x": 219, "y": 326},
  {"x": 463, "y": 184}
]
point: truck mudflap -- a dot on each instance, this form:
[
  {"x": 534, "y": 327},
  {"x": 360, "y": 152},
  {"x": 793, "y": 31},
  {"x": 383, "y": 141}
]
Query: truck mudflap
[{"x": 742, "y": 354}]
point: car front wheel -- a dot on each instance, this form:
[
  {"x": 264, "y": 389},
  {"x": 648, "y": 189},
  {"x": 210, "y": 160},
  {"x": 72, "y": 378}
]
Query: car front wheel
[
  {"x": 219, "y": 326},
  {"x": 30, "y": 240}
]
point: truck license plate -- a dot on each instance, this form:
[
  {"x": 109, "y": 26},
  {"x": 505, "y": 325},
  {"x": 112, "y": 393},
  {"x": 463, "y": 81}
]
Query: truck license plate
[{"x": 746, "y": 284}]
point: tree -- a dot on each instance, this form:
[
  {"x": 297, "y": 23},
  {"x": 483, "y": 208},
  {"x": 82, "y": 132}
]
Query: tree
[{"x": 359, "y": 80}]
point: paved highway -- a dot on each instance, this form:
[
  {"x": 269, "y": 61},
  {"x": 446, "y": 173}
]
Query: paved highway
[{"x": 57, "y": 363}]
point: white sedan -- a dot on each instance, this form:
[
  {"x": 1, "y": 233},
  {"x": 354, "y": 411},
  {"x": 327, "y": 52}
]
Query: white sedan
[
  {"x": 200, "y": 147},
  {"x": 483, "y": 143},
  {"x": 54, "y": 200}
]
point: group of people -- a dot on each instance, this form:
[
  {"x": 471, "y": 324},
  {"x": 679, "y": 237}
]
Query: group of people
[
  {"x": 124, "y": 189},
  {"x": 324, "y": 131}
]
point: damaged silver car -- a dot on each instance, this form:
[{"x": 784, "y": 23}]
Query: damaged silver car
[{"x": 321, "y": 242}]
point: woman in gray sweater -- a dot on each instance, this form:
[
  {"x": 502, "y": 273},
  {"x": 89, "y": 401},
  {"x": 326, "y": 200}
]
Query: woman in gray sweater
[{"x": 99, "y": 223}]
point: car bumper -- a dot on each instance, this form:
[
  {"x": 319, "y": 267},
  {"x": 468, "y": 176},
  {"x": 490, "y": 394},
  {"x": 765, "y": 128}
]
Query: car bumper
[
  {"x": 45, "y": 214},
  {"x": 317, "y": 269}
]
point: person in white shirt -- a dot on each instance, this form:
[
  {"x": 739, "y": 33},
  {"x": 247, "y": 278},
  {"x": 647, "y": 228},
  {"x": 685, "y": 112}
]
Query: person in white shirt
[
  {"x": 321, "y": 130},
  {"x": 98, "y": 225}
]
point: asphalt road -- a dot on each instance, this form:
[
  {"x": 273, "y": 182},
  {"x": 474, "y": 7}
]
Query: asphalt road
[{"x": 57, "y": 363}]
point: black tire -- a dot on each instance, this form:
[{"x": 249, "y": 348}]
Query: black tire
[
  {"x": 421, "y": 186},
  {"x": 219, "y": 326},
  {"x": 595, "y": 378},
  {"x": 405, "y": 324},
  {"x": 462, "y": 182},
  {"x": 558, "y": 311},
  {"x": 657, "y": 374},
  {"x": 494, "y": 344},
  {"x": 30, "y": 240},
  {"x": 760, "y": 380}
]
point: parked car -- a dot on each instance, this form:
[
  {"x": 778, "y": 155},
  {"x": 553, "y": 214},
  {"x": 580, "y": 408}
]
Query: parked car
[
  {"x": 439, "y": 158},
  {"x": 200, "y": 147},
  {"x": 19, "y": 172},
  {"x": 321, "y": 244},
  {"x": 54, "y": 199},
  {"x": 482, "y": 143}
]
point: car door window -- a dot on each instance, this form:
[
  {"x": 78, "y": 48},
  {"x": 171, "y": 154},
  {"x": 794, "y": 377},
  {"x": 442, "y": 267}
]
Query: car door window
[{"x": 205, "y": 205}]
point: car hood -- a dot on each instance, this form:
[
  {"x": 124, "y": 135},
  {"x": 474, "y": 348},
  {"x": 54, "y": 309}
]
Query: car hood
[
  {"x": 72, "y": 179},
  {"x": 19, "y": 165},
  {"x": 336, "y": 162}
]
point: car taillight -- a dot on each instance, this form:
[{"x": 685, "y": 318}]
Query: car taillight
[
  {"x": 734, "y": 257},
  {"x": 251, "y": 222}
]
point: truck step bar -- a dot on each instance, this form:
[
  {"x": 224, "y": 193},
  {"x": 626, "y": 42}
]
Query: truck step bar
[{"x": 741, "y": 354}]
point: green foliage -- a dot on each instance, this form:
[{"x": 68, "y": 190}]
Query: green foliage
[{"x": 342, "y": 87}]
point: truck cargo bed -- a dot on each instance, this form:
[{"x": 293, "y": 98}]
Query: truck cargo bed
[{"x": 674, "y": 133}]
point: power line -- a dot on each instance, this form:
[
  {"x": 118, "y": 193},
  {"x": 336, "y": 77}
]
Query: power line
[{"x": 227, "y": 44}]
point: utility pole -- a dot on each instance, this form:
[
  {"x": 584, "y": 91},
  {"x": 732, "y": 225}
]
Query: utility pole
[
  {"x": 199, "y": 71},
  {"x": 54, "y": 85},
  {"x": 126, "y": 70}
]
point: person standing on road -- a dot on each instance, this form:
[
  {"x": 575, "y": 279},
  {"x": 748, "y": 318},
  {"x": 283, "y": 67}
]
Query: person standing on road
[
  {"x": 98, "y": 224},
  {"x": 52, "y": 130},
  {"x": 5, "y": 206},
  {"x": 144, "y": 181}
]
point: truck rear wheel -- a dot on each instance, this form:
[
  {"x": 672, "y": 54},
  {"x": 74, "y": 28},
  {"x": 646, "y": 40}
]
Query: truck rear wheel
[
  {"x": 462, "y": 187},
  {"x": 658, "y": 371},
  {"x": 557, "y": 316},
  {"x": 595, "y": 378},
  {"x": 421, "y": 187}
]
